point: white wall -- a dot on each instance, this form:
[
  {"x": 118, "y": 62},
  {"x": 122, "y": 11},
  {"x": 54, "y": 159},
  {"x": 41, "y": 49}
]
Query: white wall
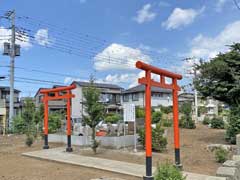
[
  {"x": 77, "y": 102},
  {"x": 116, "y": 142},
  {"x": 165, "y": 100}
]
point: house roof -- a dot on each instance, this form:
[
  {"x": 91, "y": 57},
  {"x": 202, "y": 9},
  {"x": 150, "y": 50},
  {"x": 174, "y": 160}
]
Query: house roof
[
  {"x": 7, "y": 88},
  {"x": 54, "y": 86},
  {"x": 141, "y": 88},
  {"x": 98, "y": 85}
]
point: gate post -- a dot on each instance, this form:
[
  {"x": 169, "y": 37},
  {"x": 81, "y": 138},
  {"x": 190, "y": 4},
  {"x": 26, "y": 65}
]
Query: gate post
[
  {"x": 148, "y": 127},
  {"x": 69, "y": 147},
  {"x": 45, "y": 123},
  {"x": 176, "y": 124}
]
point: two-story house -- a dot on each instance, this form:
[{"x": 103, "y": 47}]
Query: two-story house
[
  {"x": 4, "y": 106},
  {"x": 110, "y": 96},
  {"x": 56, "y": 105},
  {"x": 136, "y": 96}
]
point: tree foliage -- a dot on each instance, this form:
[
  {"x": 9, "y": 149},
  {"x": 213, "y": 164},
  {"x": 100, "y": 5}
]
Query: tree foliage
[
  {"x": 112, "y": 118},
  {"x": 94, "y": 110},
  {"x": 220, "y": 77},
  {"x": 159, "y": 142},
  {"x": 156, "y": 117},
  {"x": 186, "y": 120}
]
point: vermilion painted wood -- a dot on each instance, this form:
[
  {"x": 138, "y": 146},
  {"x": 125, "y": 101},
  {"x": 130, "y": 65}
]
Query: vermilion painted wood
[
  {"x": 155, "y": 70},
  {"x": 148, "y": 82},
  {"x": 59, "y": 89},
  {"x": 56, "y": 91}
]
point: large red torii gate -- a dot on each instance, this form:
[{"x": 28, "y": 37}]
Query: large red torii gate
[
  {"x": 148, "y": 82},
  {"x": 68, "y": 95}
]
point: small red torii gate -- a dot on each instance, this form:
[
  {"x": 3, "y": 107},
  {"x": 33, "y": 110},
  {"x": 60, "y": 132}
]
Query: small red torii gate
[
  {"x": 68, "y": 95},
  {"x": 148, "y": 82}
]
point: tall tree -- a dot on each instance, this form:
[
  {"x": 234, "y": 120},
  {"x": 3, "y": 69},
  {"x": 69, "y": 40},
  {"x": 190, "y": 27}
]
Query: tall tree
[
  {"x": 220, "y": 79},
  {"x": 94, "y": 110}
]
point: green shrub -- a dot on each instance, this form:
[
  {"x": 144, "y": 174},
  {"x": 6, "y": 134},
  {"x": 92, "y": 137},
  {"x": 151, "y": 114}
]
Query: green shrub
[
  {"x": 233, "y": 127},
  {"x": 166, "y": 123},
  {"x": 168, "y": 172},
  {"x": 19, "y": 125},
  {"x": 217, "y": 123},
  {"x": 186, "y": 120},
  {"x": 187, "y": 123},
  {"x": 113, "y": 118},
  {"x": 206, "y": 120},
  {"x": 140, "y": 112},
  {"x": 29, "y": 140},
  {"x": 221, "y": 155},
  {"x": 159, "y": 143},
  {"x": 166, "y": 109},
  {"x": 156, "y": 117},
  {"x": 54, "y": 121}
]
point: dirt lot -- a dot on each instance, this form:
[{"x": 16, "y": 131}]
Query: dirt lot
[
  {"x": 195, "y": 158},
  {"x": 13, "y": 166},
  {"x": 194, "y": 155}
]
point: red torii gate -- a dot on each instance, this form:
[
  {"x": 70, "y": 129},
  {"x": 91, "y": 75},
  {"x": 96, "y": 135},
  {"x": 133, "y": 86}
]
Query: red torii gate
[
  {"x": 68, "y": 95},
  {"x": 148, "y": 82}
]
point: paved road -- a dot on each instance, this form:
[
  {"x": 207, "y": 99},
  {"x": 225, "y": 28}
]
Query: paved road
[{"x": 137, "y": 170}]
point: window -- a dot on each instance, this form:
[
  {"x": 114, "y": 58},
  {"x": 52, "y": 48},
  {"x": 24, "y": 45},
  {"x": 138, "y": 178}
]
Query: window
[
  {"x": 157, "y": 94},
  {"x": 135, "y": 97},
  {"x": 126, "y": 97},
  {"x": 118, "y": 98}
]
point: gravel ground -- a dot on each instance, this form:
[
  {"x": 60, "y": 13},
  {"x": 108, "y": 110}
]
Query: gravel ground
[{"x": 13, "y": 166}]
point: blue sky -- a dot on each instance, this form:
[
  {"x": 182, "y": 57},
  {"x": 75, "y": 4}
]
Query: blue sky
[{"x": 108, "y": 34}]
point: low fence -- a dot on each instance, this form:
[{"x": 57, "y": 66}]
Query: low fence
[{"x": 115, "y": 142}]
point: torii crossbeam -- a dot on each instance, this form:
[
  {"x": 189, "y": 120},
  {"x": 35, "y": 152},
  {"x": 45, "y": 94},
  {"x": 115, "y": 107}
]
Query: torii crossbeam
[
  {"x": 66, "y": 94},
  {"x": 148, "y": 82}
]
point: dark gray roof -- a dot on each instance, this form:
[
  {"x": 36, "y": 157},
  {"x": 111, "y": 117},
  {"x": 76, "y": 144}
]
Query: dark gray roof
[
  {"x": 7, "y": 88},
  {"x": 141, "y": 88},
  {"x": 98, "y": 85}
]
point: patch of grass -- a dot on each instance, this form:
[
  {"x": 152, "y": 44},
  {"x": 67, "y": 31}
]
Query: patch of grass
[
  {"x": 168, "y": 172},
  {"x": 221, "y": 155}
]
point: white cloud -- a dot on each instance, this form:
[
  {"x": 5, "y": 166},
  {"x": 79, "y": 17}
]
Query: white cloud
[
  {"x": 220, "y": 4},
  {"x": 152, "y": 49},
  {"x": 181, "y": 17},
  {"x": 5, "y": 35},
  {"x": 42, "y": 37},
  {"x": 144, "y": 14},
  {"x": 209, "y": 47},
  {"x": 69, "y": 80},
  {"x": 117, "y": 56}
]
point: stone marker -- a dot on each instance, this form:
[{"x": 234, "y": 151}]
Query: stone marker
[
  {"x": 230, "y": 172},
  {"x": 231, "y": 163},
  {"x": 212, "y": 147},
  {"x": 236, "y": 157}
]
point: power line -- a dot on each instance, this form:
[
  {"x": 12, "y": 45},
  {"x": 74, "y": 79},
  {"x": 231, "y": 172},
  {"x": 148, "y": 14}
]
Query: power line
[
  {"x": 236, "y": 4},
  {"x": 33, "y": 21},
  {"x": 39, "y": 80},
  {"x": 44, "y": 72}
]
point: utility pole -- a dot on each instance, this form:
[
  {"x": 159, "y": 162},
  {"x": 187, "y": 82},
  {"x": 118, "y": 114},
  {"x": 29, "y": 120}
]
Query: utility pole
[
  {"x": 12, "y": 56},
  {"x": 195, "y": 96},
  {"x": 193, "y": 72}
]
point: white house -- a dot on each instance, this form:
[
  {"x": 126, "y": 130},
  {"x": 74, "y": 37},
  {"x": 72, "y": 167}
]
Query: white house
[
  {"x": 110, "y": 96},
  {"x": 136, "y": 96}
]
